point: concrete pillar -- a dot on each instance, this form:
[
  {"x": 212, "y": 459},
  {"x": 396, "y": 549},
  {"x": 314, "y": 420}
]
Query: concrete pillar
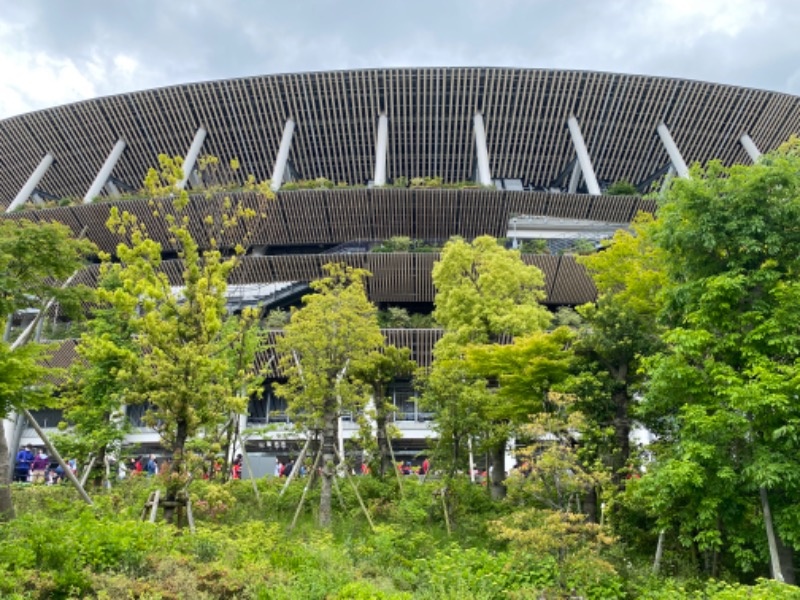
[
  {"x": 31, "y": 184},
  {"x": 105, "y": 172},
  {"x": 575, "y": 178},
  {"x": 112, "y": 188},
  {"x": 750, "y": 147},
  {"x": 380, "y": 151},
  {"x": 481, "y": 152},
  {"x": 667, "y": 179},
  {"x": 583, "y": 156},
  {"x": 283, "y": 155},
  {"x": 672, "y": 150},
  {"x": 191, "y": 157}
]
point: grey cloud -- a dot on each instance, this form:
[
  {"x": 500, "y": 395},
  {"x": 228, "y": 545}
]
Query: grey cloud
[{"x": 178, "y": 42}]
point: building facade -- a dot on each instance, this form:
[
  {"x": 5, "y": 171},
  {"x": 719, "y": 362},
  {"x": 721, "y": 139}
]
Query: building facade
[{"x": 359, "y": 157}]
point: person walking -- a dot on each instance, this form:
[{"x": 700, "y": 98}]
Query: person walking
[
  {"x": 152, "y": 466},
  {"x": 22, "y": 468},
  {"x": 39, "y": 467}
]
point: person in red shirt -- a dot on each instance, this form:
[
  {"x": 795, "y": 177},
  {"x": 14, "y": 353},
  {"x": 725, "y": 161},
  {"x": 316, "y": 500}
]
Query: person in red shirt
[{"x": 236, "y": 469}]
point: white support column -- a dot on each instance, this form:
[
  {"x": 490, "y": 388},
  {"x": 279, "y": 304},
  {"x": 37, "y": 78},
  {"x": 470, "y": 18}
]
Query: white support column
[
  {"x": 31, "y": 184},
  {"x": 191, "y": 157},
  {"x": 583, "y": 156},
  {"x": 105, "y": 172},
  {"x": 112, "y": 188},
  {"x": 481, "y": 152},
  {"x": 672, "y": 150},
  {"x": 750, "y": 147},
  {"x": 575, "y": 178},
  {"x": 380, "y": 151},
  {"x": 283, "y": 155}
]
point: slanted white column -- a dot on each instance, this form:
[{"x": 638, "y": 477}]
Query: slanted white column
[
  {"x": 750, "y": 147},
  {"x": 112, "y": 188},
  {"x": 583, "y": 156},
  {"x": 105, "y": 172},
  {"x": 283, "y": 155},
  {"x": 31, "y": 184},
  {"x": 575, "y": 178},
  {"x": 482, "y": 154},
  {"x": 380, "y": 151},
  {"x": 672, "y": 150},
  {"x": 191, "y": 157}
]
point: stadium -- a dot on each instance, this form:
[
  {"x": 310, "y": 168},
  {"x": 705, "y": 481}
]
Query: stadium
[{"x": 358, "y": 158}]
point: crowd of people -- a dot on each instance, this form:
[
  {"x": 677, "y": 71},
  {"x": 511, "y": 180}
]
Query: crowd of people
[{"x": 34, "y": 466}]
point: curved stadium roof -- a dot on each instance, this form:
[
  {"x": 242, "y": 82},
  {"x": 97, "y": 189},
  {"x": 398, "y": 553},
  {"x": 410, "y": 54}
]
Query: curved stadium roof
[
  {"x": 430, "y": 125},
  {"x": 430, "y": 133}
]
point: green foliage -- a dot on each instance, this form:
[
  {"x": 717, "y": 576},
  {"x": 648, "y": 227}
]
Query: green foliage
[
  {"x": 62, "y": 549},
  {"x": 619, "y": 330},
  {"x": 34, "y": 259},
  {"x": 483, "y": 292},
  {"x": 435, "y": 183},
  {"x": 401, "y": 243},
  {"x": 277, "y": 319},
  {"x": 175, "y": 349},
  {"x": 621, "y": 188},
  {"x": 319, "y": 183},
  {"x": 722, "y": 393},
  {"x": 396, "y": 317},
  {"x": 328, "y": 337},
  {"x": 534, "y": 247}
]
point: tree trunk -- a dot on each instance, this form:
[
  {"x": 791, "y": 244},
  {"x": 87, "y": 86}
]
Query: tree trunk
[
  {"x": 174, "y": 483},
  {"x": 590, "y": 505},
  {"x": 229, "y": 439},
  {"x": 786, "y": 555},
  {"x": 99, "y": 469},
  {"x": 622, "y": 435},
  {"x": 498, "y": 471},
  {"x": 775, "y": 561},
  {"x": 328, "y": 471},
  {"x": 6, "y": 502},
  {"x": 383, "y": 443}
]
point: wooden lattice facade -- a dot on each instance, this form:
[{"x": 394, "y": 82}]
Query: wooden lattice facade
[{"x": 429, "y": 114}]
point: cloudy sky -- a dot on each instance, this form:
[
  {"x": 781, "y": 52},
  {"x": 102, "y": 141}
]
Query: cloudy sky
[{"x": 58, "y": 51}]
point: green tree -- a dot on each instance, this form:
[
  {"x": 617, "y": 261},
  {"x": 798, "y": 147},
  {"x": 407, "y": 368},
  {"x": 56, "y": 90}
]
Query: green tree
[
  {"x": 324, "y": 344},
  {"x": 618, "y": 330},
  {"x": 723, "y": 394},
  {"x": 95, "y": 397},
  {"x": 377, "y": 371},
  {"x": 190, "y": 354},
  {"x": 483, "y": 293},
  {"x": 33, "y": 259}
]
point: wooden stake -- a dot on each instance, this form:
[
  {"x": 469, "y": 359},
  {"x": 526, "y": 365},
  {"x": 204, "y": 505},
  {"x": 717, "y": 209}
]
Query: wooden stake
[
  {"x": 298, "y": 463},
  {"x": 53, "y": 452},
  {"x": 339, "y": 493},
  {"x": 659, "y": 552},
  {"x": 249, "y": 470},
  {"x": 394, "y": 465},
  {"x": 154, "y": 508},
  {"x": 189, "y": 516},
  {"x": 355, "y": 489},
  {"x": 87, "y": 470},
  {"x": 305, "y": 490},
  {"x": 446, "y": 514}
]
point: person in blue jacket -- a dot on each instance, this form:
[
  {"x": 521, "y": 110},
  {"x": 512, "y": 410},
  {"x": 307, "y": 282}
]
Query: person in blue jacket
[{"x": 23, "y": 467}]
